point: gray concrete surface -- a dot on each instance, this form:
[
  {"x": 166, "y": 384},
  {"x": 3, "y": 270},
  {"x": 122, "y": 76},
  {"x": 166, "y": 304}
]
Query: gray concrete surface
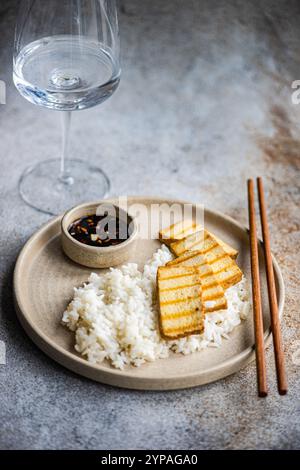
[{"x": 205, "y": 102}]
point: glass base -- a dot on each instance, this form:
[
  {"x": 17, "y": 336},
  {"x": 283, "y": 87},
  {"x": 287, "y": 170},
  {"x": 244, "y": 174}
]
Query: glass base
[{"x": 41, "y": 187}]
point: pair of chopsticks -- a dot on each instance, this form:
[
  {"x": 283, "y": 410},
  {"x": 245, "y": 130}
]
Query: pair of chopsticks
[{"x": 256, "y": 295}]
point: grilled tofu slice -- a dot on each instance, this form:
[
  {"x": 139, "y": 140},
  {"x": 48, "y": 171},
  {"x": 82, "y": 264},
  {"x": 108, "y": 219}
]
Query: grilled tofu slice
[
  {"x": 224, "y": 267},
  {"x": 194, "y": 241},
  {"x": 181, "y": 311},
  {"x": 232, "y": 252},
  {"x": 212, "y": 293},
  {"x": 180, "y": 230}
]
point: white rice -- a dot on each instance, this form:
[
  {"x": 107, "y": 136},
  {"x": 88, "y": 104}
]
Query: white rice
[{"x": 115, "y": 317}]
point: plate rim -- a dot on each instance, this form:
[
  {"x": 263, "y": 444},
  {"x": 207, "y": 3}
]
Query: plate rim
[{"x": 44, "y": 342}]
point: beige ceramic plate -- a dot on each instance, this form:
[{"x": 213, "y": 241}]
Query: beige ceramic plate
[{"x": 43, "y": 286}]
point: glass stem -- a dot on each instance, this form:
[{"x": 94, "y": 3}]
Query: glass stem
[{"x": 65, "y": 176}]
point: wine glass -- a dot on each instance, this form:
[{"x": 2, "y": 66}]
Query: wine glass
[{"x": 66, "y": 58}]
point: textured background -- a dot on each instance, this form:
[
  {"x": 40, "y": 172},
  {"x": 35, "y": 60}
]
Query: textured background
[{"x": 204, "y": 103}]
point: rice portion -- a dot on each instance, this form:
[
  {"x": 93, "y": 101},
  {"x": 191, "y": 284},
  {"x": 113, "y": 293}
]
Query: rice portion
[{"x": 115, "y": 317}]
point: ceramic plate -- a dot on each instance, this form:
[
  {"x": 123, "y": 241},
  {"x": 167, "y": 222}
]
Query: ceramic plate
[{"x": 43, "y": 286}]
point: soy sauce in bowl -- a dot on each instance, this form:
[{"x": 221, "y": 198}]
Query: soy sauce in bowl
[{"x": 100, "y": 231}]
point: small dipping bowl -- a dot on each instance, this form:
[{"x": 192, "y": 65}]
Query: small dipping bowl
[{"x": 97, "y": 256}]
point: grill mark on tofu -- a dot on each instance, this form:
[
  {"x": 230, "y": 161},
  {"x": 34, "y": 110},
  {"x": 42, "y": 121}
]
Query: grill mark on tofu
[
  {"x": 209, "y": 282},
  {"x": 178, "y": 301},
  {"x": 204, "y": 250},
  {"x": 226, "y": 275},
  {"x": 184, "y": 231},
  {"x": 180, "y": 294},
  {"x": 172, "y": 229},
  {"x": 226, "y": 263},
  {"x": 216, "y": 254},
  {"x": 192, "y": 329},
  {"x": 210, "y": 292},
  {"x": 187, "y": 243},
  {"x": 217, "y": 304},
  {"x": 201, "y": 238},
  {"x": 207, "y": 296},
  {"x": 231, "y": 276},
  {"x": 226, "y": 271},
  {"x": 178, "y": 231},
  {"x": 184, "y": 286},
  {"x": 185, "y": 304},
  {"x": 177, "y": 276},
  {"x": 216, "y": 270},
  {"x": 189, "y": 247},
  {"x": 182, "y": 314},
  {"x": 195, "y": 259},
  {"x": 178, "y": 261},
  {"x": 177, "y": 283}
]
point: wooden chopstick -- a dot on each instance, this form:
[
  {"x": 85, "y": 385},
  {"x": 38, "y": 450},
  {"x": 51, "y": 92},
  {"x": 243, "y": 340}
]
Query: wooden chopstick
[
  {"x": 256, "y": 296},
  {"x": 275, "y": 323}
]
